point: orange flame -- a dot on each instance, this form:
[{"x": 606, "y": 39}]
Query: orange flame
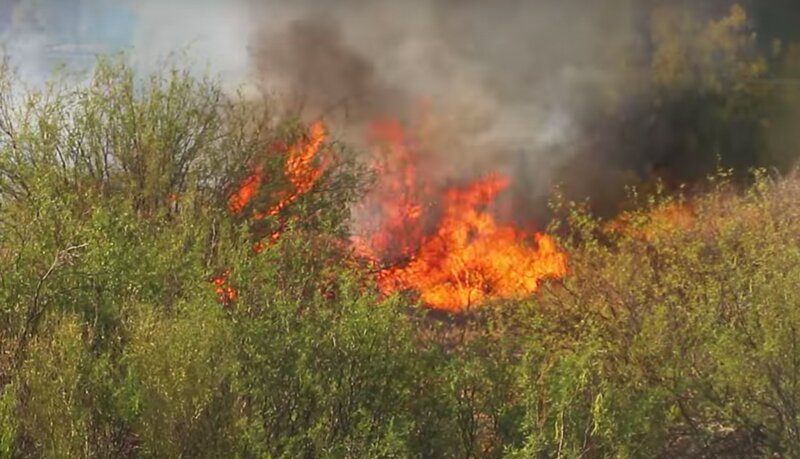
[
  {"x": 246, "y": 191},
  {"x": 468, "y": 258},
  {"x": 301, "y": 173},
  {"x": 395, "y": 226},
  {"x": 471, "y": 259},
  {"x": 300, "y": 169},
  {"x": 225, "y": 293}
]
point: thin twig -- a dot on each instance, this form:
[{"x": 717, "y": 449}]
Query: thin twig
[{"x": 35, "y": 311}]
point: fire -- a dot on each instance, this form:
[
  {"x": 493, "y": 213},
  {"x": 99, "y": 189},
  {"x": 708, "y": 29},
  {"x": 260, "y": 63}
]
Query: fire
[
  {"x": 300, "y": 169},
  {"x": 467, "y": 258},
  {"x": 301, "y": 172},
  {"x": 394, "y": 228},
  {"x": 225, "y": 293},
  {"x": 246, "y": 191},
  {"x": 471, "y": 258},
  {"x": 445, "y": 245}
]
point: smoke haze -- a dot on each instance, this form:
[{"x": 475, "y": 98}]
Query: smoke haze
[
  {"x": 537, "y": 90},
  {"x": 544, "y": 91},
  {"x": 496, "y": 79}
]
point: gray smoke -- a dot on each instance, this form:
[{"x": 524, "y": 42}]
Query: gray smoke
[
  {"x": 504, "y": 82},
  {"x": 541, "y": 90}
]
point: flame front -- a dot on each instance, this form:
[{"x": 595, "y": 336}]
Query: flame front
[
  {"x": 446, "y": 246},
  {"x": 471, "y": 259},
  {"x": 467, "y": 258}
]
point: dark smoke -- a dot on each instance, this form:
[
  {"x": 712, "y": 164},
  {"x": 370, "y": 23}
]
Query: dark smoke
[
  {"x": 545, "y": 91},
  {"x": 322, "y": 76}
]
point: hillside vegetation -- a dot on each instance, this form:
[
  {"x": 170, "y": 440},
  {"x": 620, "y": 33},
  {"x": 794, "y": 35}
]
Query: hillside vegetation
[{"x": 669, "y": 336}]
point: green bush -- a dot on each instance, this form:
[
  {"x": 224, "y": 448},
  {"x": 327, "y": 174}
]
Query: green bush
[
  {"x": 672, "y": 340},
  {"x": 673, "y": 335}
]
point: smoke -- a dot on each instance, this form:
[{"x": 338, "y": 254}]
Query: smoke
[
  {"x": 491, "y": 86},
  {"x": 40, "y": 35},
  {"x": 545, "y": 91},
  {"x": 212, "y": 35},
  {"x": 592, "y": 94},
  {"x": 498, "y": 79}
]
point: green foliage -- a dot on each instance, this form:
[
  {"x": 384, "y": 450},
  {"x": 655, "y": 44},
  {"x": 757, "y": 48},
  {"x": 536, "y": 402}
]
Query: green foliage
[
  {"x": 333, "y": 380},
  {"x": 54, "y": 422},
  {"x": 675, "y": 333},
  {"x": 114, "y": 220},
  {"x": 671, "y": 338},
  {"x": 176, "y": 389}
]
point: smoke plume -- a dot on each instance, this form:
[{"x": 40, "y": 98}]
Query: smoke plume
[
  {"x": 501, "y": 82},
  {"x": 41, "y": 35},
  {"x": 544, "y": 91}
]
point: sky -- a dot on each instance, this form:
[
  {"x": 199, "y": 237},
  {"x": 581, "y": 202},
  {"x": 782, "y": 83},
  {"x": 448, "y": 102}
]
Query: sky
[{"x": 38, "y": 35}]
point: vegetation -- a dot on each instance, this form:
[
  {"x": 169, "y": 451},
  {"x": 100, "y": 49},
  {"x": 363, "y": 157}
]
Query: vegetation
[{"x": 675, "y": 334}]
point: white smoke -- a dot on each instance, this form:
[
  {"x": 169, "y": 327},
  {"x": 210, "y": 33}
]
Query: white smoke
[{"x": 212, "y": 35}]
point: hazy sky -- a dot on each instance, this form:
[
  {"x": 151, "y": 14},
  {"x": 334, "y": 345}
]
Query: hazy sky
[{"x": 38, "y": 34}]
